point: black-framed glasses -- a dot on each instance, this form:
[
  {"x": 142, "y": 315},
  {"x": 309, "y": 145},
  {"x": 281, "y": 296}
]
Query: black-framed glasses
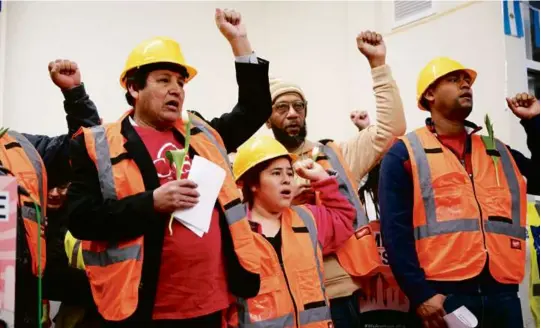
[{"x": 283, "y": 107}]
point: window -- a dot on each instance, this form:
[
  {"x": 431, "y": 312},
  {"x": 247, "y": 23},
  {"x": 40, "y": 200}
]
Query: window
[
  {"x": 406, "y": 12},
  {"x": 533, "y": 82},
  {"x": 531, "y": 29},
  {"x": 530, "y": 16}
]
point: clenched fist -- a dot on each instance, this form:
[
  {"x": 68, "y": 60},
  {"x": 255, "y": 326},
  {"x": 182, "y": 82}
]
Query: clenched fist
[
  {"x": 310, "y": 170},
  {"x": 371, "y": 45},
  {"x": 229, "y": 22},
  {"x": 360, "y": 119},
  {"x": 524, "y": 106},
  {"x": 175, "y": 195},
  {"x": 65, "y": 73}
]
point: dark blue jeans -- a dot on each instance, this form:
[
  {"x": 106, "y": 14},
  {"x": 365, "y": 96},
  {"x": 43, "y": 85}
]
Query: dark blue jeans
[
  {"x": 493, "y": 311},
  {"x": 498, "y": 310},
  {"x": 345, "y": 312}
]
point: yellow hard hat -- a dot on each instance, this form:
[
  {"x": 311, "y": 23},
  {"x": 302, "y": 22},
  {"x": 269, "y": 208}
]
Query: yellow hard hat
[
  {"x": 435, "y": 69},
  {"x": 156, "y": 50},
  {"x": 257, "y": 150}
]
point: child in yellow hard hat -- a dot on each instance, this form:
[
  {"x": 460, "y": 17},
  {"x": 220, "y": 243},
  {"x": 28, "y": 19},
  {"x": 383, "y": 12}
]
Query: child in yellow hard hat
[{"x": 291, "y": 239}]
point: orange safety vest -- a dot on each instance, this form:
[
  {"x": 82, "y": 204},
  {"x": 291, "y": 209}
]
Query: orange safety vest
[
  {"x": 459, "y": 219},
  {"x": 19, "y": 156},
  {"x": 294, "y": 296},
  {"x": 114, "y": 269},
  {"x": 359, "y": 255}
]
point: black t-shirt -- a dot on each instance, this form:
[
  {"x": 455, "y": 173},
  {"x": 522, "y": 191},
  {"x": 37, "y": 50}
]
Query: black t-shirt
[{"x": 276, "y": 243}]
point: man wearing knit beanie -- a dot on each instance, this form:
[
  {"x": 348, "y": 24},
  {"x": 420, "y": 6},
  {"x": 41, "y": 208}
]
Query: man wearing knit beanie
[{"x": 359, "y": 155}]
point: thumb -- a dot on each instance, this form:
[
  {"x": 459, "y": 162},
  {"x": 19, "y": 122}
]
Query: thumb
[
  {"x": 510, "y": 104},
  {"x": 219, "y": 16}
]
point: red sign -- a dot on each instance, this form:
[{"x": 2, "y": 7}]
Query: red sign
[{"x": 8, "y": 245}]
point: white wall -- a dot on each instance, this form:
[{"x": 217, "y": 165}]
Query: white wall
[
  {"x": 311, "y": 43},
  {"x": 471, "y": 34}
]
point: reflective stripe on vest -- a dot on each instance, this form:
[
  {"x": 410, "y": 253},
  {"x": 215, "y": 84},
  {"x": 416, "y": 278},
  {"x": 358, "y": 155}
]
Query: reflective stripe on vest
[
  {"x": 308, "y": 316},
  {"x": 435, "y": 228},
  {"x": 112, "y": 255},
  {"x": 237, "y": 211},
  {"x": 103, "y": 163},
  {"x": 74, "y": 253},
  {"x": 502, "y": 228},
  {"x": 34, "y": 158},
  {"x": 201, "y": 126},
  {"x": 29, "y": 213},
  {"x": 346, "y": 188}
]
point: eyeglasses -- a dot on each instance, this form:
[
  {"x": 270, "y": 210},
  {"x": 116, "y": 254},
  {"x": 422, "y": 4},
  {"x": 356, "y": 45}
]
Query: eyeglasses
[{"x": 283, "y": 107}]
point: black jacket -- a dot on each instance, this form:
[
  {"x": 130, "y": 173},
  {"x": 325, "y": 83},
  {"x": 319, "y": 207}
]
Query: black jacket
[
  {"x": 62, "y": 282},
  {"x": 92, "y": 218},
  {"x": 54, "y": 151}
]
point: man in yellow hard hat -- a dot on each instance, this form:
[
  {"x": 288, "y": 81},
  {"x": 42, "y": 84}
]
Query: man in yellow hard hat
[
  {"x": 352, "y": 159},
  {"x": 453, "y": 204},
  {"x": 144, "y": 272}
]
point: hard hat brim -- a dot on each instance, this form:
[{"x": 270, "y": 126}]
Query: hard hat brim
[
  {"x": 192, "y": 72},
  {"x": 293, "y": 158},
  {"x": 472, "y": 73}
]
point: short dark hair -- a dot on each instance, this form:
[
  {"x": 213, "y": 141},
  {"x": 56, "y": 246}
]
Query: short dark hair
[
  {"x": 251, "y": 178},
  {"x": 137, "y": 77}
]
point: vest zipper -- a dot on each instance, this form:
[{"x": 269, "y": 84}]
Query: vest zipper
[
  {"x": 291, "y": 294},
  {"x": 480, "y": 212},
  {"x": 287, "y": 281},
  {"x": 468, "y": 150}
]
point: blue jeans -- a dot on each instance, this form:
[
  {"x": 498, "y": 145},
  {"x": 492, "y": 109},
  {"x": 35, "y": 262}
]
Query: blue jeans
[
  {"x": 345, "y": 312},
  {"x": 501, "y": 310}
]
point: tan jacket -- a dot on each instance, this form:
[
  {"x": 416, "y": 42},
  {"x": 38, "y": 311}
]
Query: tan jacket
[{"x": 362, "y": 152}]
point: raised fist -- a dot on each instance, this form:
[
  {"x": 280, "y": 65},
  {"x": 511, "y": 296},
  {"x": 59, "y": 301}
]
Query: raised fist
[
  {"x": 310, "y": 170},
  {"x": 65, "y": 74},
  {"x": 360, "y": 119},
  {"x": 524, "y": 106},
  {"x": 229, "y": 22},
  {"x": 371, "y": 45}
]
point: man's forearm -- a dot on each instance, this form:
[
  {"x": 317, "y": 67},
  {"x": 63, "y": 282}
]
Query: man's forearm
[
  {"x": 241, "y": 46},
  {"x": 80, "y": 110}
]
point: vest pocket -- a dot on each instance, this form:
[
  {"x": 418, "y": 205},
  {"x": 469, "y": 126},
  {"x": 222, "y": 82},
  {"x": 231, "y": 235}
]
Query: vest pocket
[
  {"x": 498, "y": 203},
  {"x": 265, "y": 305},
  {"x": 309, "y": 287}
]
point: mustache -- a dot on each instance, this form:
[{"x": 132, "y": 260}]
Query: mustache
[{"x": 288, "y": 141}]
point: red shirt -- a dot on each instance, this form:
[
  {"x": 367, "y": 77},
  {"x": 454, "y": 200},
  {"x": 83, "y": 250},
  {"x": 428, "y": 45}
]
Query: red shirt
[{"x": 192, "y": 281}]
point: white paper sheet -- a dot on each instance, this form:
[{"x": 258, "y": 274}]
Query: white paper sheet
[
  {"x": 195, "y": 230},
  {"x": 209, "y": 178},
  {"x": 461, "y": 318}
]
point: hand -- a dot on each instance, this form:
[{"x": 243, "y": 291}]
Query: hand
[
  {"x": 432, "y": 312},
  {"x": 360, "y": 119},
  {"x": 303, "y": 194},
  {"x": 524, "y": 106},
  {"x": 230, "y": 24},
  {"x": 310, "y": 170},
  {"x": 371, "y": 45},
  {"x": 65, "y": 74},
  {"x": 175, "y": 195}
]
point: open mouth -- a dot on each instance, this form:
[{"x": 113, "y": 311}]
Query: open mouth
[
  {"x": 172, "y": 104},
  {"x": 285, "y": 192},
  {"x": 467, "y": 95}
]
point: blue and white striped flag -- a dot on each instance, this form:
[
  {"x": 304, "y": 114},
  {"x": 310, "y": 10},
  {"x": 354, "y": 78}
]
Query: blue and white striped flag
[{"x": 512, "y": 18}]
